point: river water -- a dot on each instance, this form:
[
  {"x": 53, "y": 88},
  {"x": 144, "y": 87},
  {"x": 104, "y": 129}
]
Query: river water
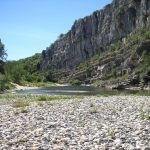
[{"x": 76, "y": 90}]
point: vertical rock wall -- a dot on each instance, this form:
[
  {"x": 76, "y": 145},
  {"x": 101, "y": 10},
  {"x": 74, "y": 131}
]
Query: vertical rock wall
[{"x": 94, "y": 34}]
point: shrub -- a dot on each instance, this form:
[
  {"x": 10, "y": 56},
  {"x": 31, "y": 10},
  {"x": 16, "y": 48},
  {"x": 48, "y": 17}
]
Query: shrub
[
  {"x": 92, "y": 110},
  {"x": 2, "y": 82},
  {"x": 20, "y": 104},
  {"x": 42, "y": 98},
  {"x": 24, "y": 111},
  {"x": 75, "y": 82},
  {"x": 111, "y": 133}
]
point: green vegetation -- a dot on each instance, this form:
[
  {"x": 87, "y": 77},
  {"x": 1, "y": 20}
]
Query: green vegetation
[
  {"x": 118, "y": 50},
  {"x": 55, "y": 97},
  {"x": 92, "y": 110},
  {"x": 142, "y": 34},
  {"x": 76, "y": 103},
  {"x": 3, "y": 56},
  {"x": 27, "y": 100},
  {"x": 3, "y": 53},
  {"x": 91, "y": 104},
  {"x": 20, "y": 104},
  {"x": 39, "y": 97},
  {"x": 75, "y": 82},
  {"x": 144, "y": 66},
  {"x": 38, "y": 84},
  {"x": 28, "y": 72},
  {"x": 24, "y": 70},
  {"x": 112, "y": 80},
  {"x": 17, "y": 96},
  {"x": 105, "y": 95},
  {"x": 144, "y": 114},
  {"x": 2, "y": 82},
  {"x": 42, "y": 98},
  {"x": 61, "y": 35},
  {"x": 40, "y": 104},
  {"x": 9, "y": 86},
  {"x": 24, "y": 111},
  {"x": 125, "y": 93},
  {"x": 111, "y": 133}
]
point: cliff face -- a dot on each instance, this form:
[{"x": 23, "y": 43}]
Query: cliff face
[{"x": 96, "y": 33}]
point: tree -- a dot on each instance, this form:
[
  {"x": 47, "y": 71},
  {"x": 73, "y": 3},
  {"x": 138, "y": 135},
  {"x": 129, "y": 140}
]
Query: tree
[
  {"x": 61, "y": 35},
  {"x": 23, "y": 70},
  {"x": 14, "y": 71},
  {"x": 2, "y": 59},
  {"x": 2, "y": 56},
  {"x": 3, "y": 53}
]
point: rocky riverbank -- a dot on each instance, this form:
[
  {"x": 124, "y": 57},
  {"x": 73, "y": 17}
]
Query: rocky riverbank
[{"x": 88, "y": 123}]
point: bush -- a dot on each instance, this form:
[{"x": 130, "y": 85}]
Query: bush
[
  {"x": 20, "y": 104},
  {"x": 24, "y": 111},
  {"x": 2, "y": 82},
  {"x": 9, "y": 86},
  {"x": 42, "y": 98},
  {"x": 75, "y": 82},
  {"x": 92, "y": 110}
]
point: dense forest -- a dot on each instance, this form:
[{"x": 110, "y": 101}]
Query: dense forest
[
  {"x": 21, "y": 72},
  {"x": 24, "y": 71}
]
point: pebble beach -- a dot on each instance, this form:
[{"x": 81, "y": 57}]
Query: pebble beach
[{"x": 87, "y": 123}]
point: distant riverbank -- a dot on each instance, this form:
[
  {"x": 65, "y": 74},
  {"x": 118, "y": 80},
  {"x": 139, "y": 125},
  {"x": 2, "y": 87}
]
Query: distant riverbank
[{"x": 21, "y": 87}]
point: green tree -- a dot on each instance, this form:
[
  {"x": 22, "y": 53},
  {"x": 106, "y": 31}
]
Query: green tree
[
  {"x": 3, "y": 53},
  {"x": 23, "y": 70},
  {"x": 61, "y": 35},
  {"x": 3, "y": 56}
]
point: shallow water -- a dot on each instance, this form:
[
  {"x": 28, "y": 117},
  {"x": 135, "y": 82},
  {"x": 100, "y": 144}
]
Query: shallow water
[{"x": 77, "y": 90}]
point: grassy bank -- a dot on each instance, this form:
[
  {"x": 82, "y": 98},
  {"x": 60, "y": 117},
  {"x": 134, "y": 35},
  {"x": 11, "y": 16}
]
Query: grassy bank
[{"x": 38, "y": 84}]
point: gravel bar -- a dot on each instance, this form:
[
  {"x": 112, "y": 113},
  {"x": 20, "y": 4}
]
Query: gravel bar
[{"x": 90, "y": 123}]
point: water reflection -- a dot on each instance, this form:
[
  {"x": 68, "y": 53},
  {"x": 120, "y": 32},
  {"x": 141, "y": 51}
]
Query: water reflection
[{"x": 77, "y": 90}]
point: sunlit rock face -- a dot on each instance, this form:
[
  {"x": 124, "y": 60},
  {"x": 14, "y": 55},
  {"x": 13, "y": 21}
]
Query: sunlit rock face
[{"x": 95, "y": 33}]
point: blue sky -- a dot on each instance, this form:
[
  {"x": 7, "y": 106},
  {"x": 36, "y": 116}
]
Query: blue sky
[{"x": 29, "y": 26}]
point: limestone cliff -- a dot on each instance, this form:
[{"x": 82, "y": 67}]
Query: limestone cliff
[
  {"x": 112, "y": 44},
  {"x": 95, "y": 33}
]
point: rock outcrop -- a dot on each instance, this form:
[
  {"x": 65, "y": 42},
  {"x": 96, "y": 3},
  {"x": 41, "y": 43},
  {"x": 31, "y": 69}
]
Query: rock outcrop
[{"x": 95, "y": 34}]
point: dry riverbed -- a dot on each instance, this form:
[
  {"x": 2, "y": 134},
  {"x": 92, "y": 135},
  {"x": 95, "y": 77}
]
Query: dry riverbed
[{"x": 83, "y": 123}]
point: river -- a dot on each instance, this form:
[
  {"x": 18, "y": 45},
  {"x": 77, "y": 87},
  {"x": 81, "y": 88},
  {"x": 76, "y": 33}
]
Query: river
[{"x": 76, "y": 90}]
